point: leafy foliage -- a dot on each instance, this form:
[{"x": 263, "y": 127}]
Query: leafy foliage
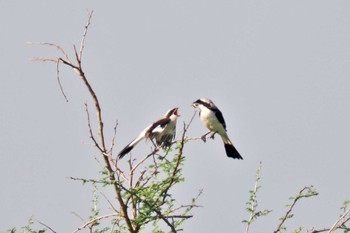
[{"x": 252, "y": 203}]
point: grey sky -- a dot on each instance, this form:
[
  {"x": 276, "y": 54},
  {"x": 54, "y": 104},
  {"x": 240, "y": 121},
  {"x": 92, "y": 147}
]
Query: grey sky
[{"x": 278, "y": 70}]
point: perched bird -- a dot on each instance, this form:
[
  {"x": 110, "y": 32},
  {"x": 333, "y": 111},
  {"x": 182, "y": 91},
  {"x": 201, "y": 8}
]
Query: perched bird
[
  {"x": 163, "y": 131},
  {"x": 213, "y": 119}
]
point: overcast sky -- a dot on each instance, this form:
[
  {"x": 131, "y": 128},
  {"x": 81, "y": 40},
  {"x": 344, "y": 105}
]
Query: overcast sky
[{"x": 278, "y": 70}]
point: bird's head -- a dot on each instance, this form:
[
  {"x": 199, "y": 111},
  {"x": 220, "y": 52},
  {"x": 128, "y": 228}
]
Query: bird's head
[
  {"x": 203, "y": 102},
  {"x": 172, "y": 113}
]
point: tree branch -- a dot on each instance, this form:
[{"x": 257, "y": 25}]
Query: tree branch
[
  {"x": 46, "y": 226},
  {"x": 94, "y": 220},
  {"x": 310, "y": 192},
  {"x": 101, "y": 144}
]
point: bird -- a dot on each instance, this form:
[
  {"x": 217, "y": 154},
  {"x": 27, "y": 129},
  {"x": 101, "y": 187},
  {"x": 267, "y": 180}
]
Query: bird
[
  {"x": 213, "y": 119},
  {"x": 163, "y": 131}
]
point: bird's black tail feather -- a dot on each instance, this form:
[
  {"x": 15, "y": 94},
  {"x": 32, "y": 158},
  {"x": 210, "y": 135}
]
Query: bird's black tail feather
[
  {"x": 130, "y": 146},
  {"x": 232, "y": 152},
  {"x": 124, "y": 151}
]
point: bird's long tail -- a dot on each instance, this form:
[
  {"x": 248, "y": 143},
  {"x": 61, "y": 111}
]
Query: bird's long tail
[
  {"x": 231, "y": 151},
  {"x": 130, "y": 146}
]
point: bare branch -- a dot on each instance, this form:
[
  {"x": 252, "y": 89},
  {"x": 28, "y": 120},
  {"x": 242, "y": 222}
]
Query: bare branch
[
  {"x": 133, "y": 168},
  {"x": 90, "y": 129},
  {"x": 142, "y": 173},
  {"x": 340, "y": 221},
  {"x": 109, "y": 202},
  {"x": 59, "y": 48},
  {"x": 187, "y": 126},
  {"x": 339, "y": 224},
  {"x": 120, "y": 173},
  {"x": 44, "y": 59},
  {"x": 59, "y": 81},
  {"x": 82, "y": 43},
  {"x": 113, "y": 137},
  {"x": 190, "y": 122},
  {"x": 46, "y": 226},
  {"x": 77, "y": 215}
]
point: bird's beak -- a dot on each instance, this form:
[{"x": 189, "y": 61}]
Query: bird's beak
[
  {"x": 194, "y": 104},
  {"x": 176, "y": 112}
]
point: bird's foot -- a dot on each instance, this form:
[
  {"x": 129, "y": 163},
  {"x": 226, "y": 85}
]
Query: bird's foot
[
  {"x": 204, "y": 137},
  {"x": 155, "y": 150},
  {"x": 212, "y": 136}
]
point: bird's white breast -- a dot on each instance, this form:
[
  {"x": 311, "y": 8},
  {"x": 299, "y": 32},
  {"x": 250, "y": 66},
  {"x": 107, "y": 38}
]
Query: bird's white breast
[{"x": 210, "y": 121}]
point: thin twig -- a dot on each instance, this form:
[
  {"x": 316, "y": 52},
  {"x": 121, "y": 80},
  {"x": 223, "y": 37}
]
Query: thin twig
[
  {"x": 109, "y": 202},
  {"x": 187, "y": 126},
  {"x": 335, "y": 227},
  {"x": 172, "y": 217},
  {"x": 253, "y": 200},
  {"x": 59, "y": 48},
  {"x": 190, "y": 122},
  {"x": 78, "y": 216},
  {"x": 59, "y": 81},
  {"x": 131, "y": 177},
  {"x": 336, "y": 224},
  {"x": 158, "y": 212},
  {"x": 113, "y": 137},
  {"x": 43, "y": 59},
  {"x": 175, "y": 170},
  {"x": 120, "y": 173},
  {"x": 133, "y": 168},
  {"x": 90, "y": 129},
  {"x": 191, "y": 205},
  {"x": 94, "y": 220},
  {"x": 82, "y": 43},
  {"x": 149, "y": 177},
  {"x": 41, "y": 223}
]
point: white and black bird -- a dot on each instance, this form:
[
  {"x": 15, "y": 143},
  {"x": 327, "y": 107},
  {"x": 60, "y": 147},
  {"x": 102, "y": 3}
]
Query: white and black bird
[
  {"x": 213, "y": 119},
  {"x": 163, "y": 131}
]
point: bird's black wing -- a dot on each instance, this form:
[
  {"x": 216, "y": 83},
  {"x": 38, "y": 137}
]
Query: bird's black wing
[
  {"x": 160, "y": 123},
  {"x": 219, "y": 116}
]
